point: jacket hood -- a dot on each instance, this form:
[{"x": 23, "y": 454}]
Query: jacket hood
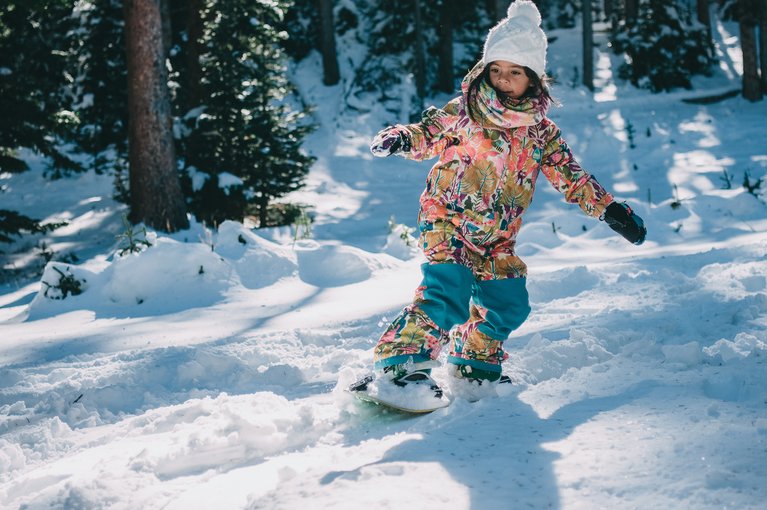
[{"x": 498, "y": 112}]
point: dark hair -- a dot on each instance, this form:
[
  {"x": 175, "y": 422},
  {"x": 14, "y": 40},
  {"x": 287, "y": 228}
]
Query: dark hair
[{"x": 538, "y": 87}]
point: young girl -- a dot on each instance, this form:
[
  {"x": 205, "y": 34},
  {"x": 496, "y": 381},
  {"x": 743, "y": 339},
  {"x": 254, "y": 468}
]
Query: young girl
[{"x": 492, "y": 142}]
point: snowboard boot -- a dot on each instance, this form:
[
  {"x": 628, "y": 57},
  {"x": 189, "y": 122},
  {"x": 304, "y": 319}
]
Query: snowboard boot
[
  {"x": 413, "y": 373},
  {"x": 477, "y": 375},
  {"x": 407, "y": 387},
  {"x": 473, "y": 384}
]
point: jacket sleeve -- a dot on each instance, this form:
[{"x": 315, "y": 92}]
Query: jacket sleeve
[
  {"x": 435, "y": 133},
  {"x": 566, "y": 175}
]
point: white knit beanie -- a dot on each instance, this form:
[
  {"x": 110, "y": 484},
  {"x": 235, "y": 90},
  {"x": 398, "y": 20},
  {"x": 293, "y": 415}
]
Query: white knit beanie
[{"x": 518, "y": 38}]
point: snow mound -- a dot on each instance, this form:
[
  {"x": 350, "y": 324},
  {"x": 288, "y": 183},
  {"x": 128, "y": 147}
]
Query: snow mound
[
  {"x": 560, "y": 284},
  {"x": 258, "y": 261},
  {"x": 543, "y": 359},
  {"x": 335, "y": 265},
  {"x": 400, "y": 243},
  {"x": 169, "y": 276}
]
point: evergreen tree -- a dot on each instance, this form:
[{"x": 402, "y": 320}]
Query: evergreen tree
[
  {"x": 33, "y": 69},
  {"x": 302, "y": 22},
  {"x": 100, "y": 93},
  {"x": 242, "y": 146},
  {"x": 664, "y": 48},
  {"x": 393, "y": 59}
]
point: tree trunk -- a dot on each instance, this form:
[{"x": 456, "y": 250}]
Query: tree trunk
[
  {"x": 331, "y": 74},
  {"x": 263, "y": 210},
  {"x": 155, "y": 191},
  {"x": 704, "y": 17},
  {"x": 420, "y": 57},
  {"x": 632, "y": 11},
  {"x": 752, "y": 89},
  {"x": 763, "y": 44},
  {"x": 612, "y": 13},
  {"x": 446, "y": 46},
  {"x": 588, "y": 46}
]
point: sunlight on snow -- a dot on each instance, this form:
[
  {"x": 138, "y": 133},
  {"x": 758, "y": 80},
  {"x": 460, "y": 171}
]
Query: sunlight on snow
[
  {"x": 694, "y": 169},
  {"x": 604, "y": 84},
  {"x": 733, "y": 64},
  {"x": 702, "y": 124}
]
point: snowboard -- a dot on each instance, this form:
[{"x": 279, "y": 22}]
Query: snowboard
[
  {"x": 410, "y": 398},
  {"x": 417, "y": 398}
]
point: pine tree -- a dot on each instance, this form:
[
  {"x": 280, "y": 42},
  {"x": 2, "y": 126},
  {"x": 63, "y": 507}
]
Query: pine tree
[
  {"x": 392, "y": 59},
  {"x": 242, "y": 145},
  {"x": 302, "y": 22},
  {"x": 100, "y": 92},
  {"x": 664, "y": 47},
  {"x": 33, "y": 69}
]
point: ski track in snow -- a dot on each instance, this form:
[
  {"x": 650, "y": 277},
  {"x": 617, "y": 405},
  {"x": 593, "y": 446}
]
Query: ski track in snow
[{"x": 639, "y": 377}]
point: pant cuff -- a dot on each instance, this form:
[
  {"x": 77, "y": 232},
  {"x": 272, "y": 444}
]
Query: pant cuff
[
  {"x": 399, "y": 360},
  {"x": 482, "y": 365}
]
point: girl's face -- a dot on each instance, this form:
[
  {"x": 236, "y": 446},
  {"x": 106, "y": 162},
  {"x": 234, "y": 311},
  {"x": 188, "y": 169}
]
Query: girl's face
[{"x": 508, "y": 78}]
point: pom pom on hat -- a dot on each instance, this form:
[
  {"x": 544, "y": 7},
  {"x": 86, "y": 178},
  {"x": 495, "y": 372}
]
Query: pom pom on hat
[
  {"x": 525, "y": 9},
  {"x": 518, "y": 38}
]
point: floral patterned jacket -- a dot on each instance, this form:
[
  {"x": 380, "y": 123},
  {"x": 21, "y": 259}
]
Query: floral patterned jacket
[{"x": 487, "y": 170}]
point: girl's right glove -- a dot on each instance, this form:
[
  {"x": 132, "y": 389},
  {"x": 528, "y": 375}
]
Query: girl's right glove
[
  {"x": 622, "y": 219},
  {"x": 390, "y": 141}
]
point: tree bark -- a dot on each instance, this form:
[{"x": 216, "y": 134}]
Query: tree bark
[
  {"x": 763, "y": 44},
  {"x": 155, "y": 191},
  {"x": 588, "y": 46},
  {"x": 632, "y": 11},
  {"x": 612, "y": 13},
  {"x": 446, "y": 46},
  {"x": 704, "y": 17},
  {"x": 331, "y": 74},
  {"x": 420, "y": 56},
  {"x": 752, "y": 89}
]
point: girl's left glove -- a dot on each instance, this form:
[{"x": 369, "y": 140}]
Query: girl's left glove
[
  {"x": 622, "y": 219},
  {"x": 390, "y": 141}
]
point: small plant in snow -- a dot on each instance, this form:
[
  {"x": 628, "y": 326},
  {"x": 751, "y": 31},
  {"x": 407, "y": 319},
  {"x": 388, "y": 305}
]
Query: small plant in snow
[
  {"x": 45, "y": 252},
  {"x": 726, "y": 180},
  {"x": 207, "y": 238},
  {"x": 133, "y": 242},
  {"x": 405, "y": 232},
  {"x": 302, "y": 226},
  {"x": 630, "y": 130},
  {"x": 677, "y": 203},
  {"x": 752, "y": 187},
  {"x": 66, "y": 285}
]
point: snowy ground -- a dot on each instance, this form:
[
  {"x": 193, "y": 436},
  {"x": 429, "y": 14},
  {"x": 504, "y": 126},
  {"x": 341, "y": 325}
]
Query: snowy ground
[{"x": 208, "y": 371}]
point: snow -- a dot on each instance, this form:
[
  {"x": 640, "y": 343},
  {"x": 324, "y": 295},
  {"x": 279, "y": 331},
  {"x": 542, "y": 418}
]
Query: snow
[{"x": 208, "y": 370}]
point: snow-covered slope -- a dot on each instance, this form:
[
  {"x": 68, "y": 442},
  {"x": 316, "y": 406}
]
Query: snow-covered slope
[{"x": 208, "y": 370}]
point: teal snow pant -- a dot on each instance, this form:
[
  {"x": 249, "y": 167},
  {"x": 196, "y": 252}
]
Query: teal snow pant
[{"x": 451, "y": 305}]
